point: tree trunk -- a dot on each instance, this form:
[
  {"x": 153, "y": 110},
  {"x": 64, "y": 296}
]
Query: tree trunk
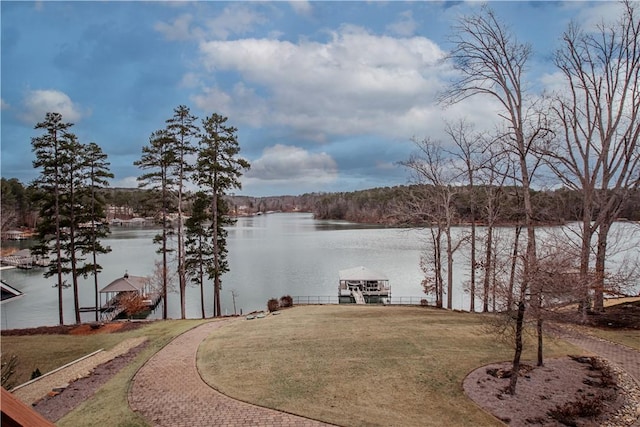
[
  {"x": 181, "y": 270},
  {"x": 540, "y": 340},
  {"x": 515, "y": 368},
  {"x": 487, "y": 269},
  {"x": 201, "y": 274},
  {"x": 472, "y": 288},
  {"x": 449, "y": 269},
  {"x": 601, "y": 255},
  {"x": 514, "y": 263},
  {"x": 216, "y": 256}
]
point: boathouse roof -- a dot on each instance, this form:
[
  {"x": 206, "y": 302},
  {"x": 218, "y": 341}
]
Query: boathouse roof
[
  {"x": 361, "y": 273},
  {"x": 8, "y": 291},
  {"x": 126, "y": 284}
]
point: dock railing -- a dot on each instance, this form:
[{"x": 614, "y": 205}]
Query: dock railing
[{"x": 324, "y": 299}]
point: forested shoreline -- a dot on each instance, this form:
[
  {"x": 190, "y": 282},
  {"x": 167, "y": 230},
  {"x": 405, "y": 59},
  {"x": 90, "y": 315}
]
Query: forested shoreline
[{"x": 382, "y": 206}]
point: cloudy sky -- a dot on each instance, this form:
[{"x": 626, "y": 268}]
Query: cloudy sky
[{"x": 326, "y": 96}]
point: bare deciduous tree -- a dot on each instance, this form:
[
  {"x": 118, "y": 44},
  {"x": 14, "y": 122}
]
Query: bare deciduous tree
[
  {"x": 597, "y": 151},
  {"x": 491, "y": 62},
  {"x": 432, "y": 168},
  {"x": 468, "y": 152}
]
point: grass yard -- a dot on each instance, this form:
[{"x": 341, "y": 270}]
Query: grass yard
[
  {"x": 359, "y": 365},
  {"x": 109, "y": 406}
]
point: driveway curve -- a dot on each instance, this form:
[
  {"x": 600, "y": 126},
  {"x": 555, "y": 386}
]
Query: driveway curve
[{"x": 168, "y": 391}]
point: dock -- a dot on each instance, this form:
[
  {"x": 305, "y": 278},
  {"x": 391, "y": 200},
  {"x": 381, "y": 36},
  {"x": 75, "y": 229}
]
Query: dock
[
  {"x": 361, "y": 285},
  {"x": 23, "y": 259}
]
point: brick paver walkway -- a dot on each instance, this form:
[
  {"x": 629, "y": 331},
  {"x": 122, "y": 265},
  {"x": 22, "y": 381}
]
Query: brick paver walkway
[
  {"x": 625, "y": 357},
  {"x": 168, "y": 391}
]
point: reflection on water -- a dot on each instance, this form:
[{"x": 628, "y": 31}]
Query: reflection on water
[{"x": 269, "y": 256}]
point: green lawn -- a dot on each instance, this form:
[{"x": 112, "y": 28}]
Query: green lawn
[
  {"x": 109, "y": 406},
  {"x": 359, "y": 365},
  {"x": 350, "y": 365}
]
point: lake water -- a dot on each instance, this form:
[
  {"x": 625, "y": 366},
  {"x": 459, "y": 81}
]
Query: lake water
[{"x": 269, "y": 256}]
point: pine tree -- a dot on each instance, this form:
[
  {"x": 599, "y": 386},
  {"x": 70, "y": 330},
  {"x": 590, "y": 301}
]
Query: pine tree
[
  {"x": 219, "y": 169},
  {"x": 98, "y": 175},
  {"x": 158, "y": 157},
  {"x": 50, "y": 159},
  {"x": 199, "y": 246},
  {"x": 182, "y": 129}
]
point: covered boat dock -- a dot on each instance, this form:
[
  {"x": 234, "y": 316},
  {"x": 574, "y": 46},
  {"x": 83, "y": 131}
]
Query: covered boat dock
[
  {"x": 127, "y": 284},
  {"x": 361, "y": 285}
]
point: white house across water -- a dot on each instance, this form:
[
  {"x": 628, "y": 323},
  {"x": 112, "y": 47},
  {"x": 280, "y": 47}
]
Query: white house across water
[{"x": 361, "y": 285}]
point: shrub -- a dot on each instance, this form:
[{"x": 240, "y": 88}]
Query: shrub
[
  {"x": 424, "y": 302},
  {"x": 286, "y": 301},
  {"x": 585, "y": 407},
  {"x": 272, "y": 304},
  {"x": 8, "y": 369},
  {"x": 36, "y": 373}
]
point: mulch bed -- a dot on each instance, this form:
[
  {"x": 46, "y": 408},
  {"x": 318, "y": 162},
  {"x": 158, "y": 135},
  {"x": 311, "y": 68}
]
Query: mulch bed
[
  {"x": 565, "y": 392},
  {"x": 56, "y": 405}
]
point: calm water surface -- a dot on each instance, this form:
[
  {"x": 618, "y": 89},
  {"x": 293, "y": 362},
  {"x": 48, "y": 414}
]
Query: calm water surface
[{"x": 269, "y": 256}]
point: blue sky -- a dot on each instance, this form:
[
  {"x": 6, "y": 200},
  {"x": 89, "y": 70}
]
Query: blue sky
[{"x": 326, "y": 96}]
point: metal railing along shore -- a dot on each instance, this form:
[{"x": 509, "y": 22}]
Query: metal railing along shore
[{"x": 324, "y": 299}]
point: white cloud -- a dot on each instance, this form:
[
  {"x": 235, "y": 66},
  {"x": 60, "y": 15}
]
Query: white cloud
[
  {"x": 356, "y": 82},
  {"x": 405, "y": 25},
  {"x": 39, "y": 102},
  {"x": 288, "y": 163},
  {"x": 179, "y": 29},
  {"x": 554, "y": 82},
  {"x": 127, "y": 182},
  {"x": 301, "y": 7},
  {"x": 4, "y": 105},
  {"x": 190, "y": 80},
  {"x": 592, "y": 14},
  {"x": 234, "y": 19}
]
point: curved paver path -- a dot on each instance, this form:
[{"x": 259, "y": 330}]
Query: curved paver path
[
  {"x": 625, "y": 357},
  {"x": 168, "y": 391}
]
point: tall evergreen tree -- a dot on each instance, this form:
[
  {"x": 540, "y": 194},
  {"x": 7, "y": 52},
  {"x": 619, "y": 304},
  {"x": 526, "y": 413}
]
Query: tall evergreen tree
[
  {"x": 98, "y": 176},
  {"x": 49, "y": 159},
  {"x": 183, "y": 129},
  {"x": 199, "y": 245},
  {"x": 219, "y": 169},
  {"x": 158, "y": 157},
  {"x": 73, "y": 212}
]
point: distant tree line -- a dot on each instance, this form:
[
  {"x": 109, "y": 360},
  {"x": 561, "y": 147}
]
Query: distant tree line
[
  {"x": 371, "y": 206},
  {"x": 383, "y": 205}
]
